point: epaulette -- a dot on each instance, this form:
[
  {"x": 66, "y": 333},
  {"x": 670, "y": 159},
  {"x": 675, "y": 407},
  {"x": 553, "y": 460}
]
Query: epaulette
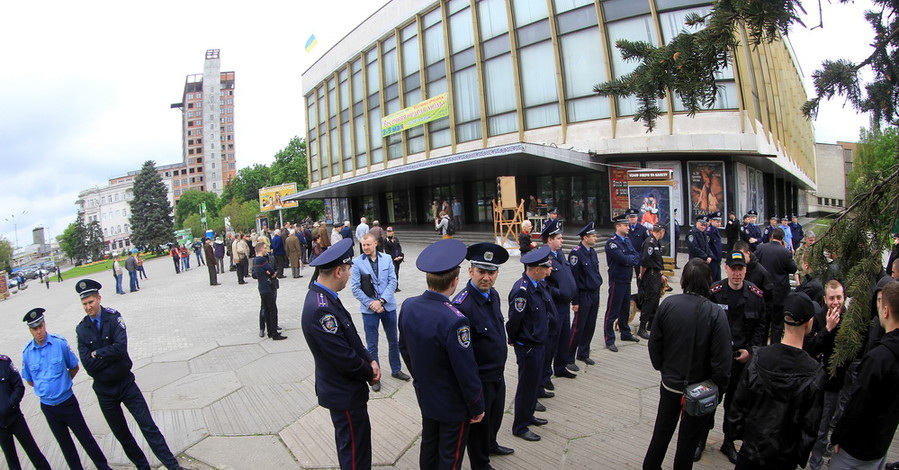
[
  {"x": 322, "y": 299},
  {"x": 461, "y": 297},
  {"x": 454, "y": 309},
  {"x": 576, "y": 248},
  {"x": 110, "y": 310},
  {"x": 717, "y": 287},
  {"x": 523, "y": 284},
  {"x": 5, "y": 358},
  {"x": 755, "y": 290}
]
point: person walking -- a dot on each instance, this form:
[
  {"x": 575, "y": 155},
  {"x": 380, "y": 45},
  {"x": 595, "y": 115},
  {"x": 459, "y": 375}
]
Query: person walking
[
  {"x": 175, "y": 253},
  {"x": 131, "y": 267},
  {"x": 12, "y": 421},
  {"x": 58, "y": 274}
]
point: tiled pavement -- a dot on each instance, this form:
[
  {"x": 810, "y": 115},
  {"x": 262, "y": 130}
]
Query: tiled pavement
[{"x": 227, "y": 399}]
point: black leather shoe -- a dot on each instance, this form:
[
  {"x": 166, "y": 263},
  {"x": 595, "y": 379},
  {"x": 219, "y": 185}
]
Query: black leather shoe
[
  {"x": 612, "y": 347},
  {"x": 262, "y": 333},
  {"x": 587, "y": 360},
  {"x": 573, "y": 367},
  {"x": 698, "y": 453},
  {"x": 500, "y": 450},
  {"x": 630, "y": 339},
  {"x": 540, "y": 407},
  {"x": 643, "y": 333},
  {"x": 566, "y": 374},
  {"x": 376, "y": 387},
  {"x": 549, "y": 385},
  {"x": 539, "y": 421},
  {"x": 544, "y": 394},
  {"x": 728, "y": 449},
  {"x": 528, "y": 436},
  {"x": 278, "y": 337}
]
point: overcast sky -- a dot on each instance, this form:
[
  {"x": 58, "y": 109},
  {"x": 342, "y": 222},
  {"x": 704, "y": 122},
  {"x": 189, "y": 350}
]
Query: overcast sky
[{"x": 85, "y": 87}]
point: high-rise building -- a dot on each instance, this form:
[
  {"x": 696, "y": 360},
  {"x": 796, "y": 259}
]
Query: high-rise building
[{"x": 207, "y": 129}]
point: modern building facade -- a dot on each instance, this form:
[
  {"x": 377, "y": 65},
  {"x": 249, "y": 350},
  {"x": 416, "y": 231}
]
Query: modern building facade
[
  {"x": 207, "y": 129},
  {"x": 834, "y": 163},
  {"x": 517, "y": 79}
]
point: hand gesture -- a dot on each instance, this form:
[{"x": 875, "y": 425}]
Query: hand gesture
[{"x": 833, "y": 318}]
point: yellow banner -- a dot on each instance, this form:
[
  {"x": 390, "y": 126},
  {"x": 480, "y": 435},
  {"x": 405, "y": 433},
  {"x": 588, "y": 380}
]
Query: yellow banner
[
  {"x": 428, "y": 110},
  {"x": 270, "y": 197}
]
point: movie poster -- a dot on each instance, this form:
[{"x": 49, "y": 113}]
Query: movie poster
[
  {"x": 618, "y": 187},
  {"x": 653, "y": 200},
  {"x": 706, "y": 189}
]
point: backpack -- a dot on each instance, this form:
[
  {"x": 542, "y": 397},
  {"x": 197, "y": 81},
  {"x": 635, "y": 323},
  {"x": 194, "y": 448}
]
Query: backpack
[{"x": 450, "y": 227}]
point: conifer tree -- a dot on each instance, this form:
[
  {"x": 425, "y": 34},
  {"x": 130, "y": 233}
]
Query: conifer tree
[{"x": 151, "y": 213}]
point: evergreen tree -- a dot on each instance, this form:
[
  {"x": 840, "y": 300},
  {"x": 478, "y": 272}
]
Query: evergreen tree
[
  {"x": 151, "y": 213},
  {"x": 72, "y": 241},
  {"x": 94, "y": 245}
]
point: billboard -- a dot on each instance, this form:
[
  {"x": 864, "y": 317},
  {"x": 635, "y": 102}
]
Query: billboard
[
  {"x": 619, "y": 200},
  {"x": 270, "y": 197},
  {"x": 706, "y": 188},
  {"x": 424, "y": 112}
]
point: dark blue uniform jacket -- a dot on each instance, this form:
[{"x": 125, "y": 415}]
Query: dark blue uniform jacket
[
  {"x": 112, "y": 363},
  {"x": 488, "y": 336}
]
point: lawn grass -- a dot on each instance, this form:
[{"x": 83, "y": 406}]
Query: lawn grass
[{"x": 100, "y": 266}]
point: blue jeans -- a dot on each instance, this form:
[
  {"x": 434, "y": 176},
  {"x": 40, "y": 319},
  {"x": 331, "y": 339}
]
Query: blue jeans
[
  {"x": 118, "y": 284},
  {"x": 132, "y": 275},
  {"x": 370, "y": 322}
]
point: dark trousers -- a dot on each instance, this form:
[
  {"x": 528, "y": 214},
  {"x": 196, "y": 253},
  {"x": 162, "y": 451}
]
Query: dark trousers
[
  {"x": 530, "y": 365},
  {"x": 482, "y": 435},
  {"x": 776, "y": 320},
  {"x": 142, "y": 272},
  {"x": 213, "y": 277},
  {"x": 177, "y": 265},
  {"x": 584, "y": 325},
  {"x": 242, "y": 266},
  {"x": 65, "y": 416},
  {"x": 617, "y": 308},
  {"x": 352, "y": 434},
  {"x": 667, "y": 417},
  {"x": 111, "y": 398},
  {"x": 736, "y": 370},
  {"x": 396, "y": 268},
  {"x": 651, "y": 291},
  {"x": 19, "y": 428},
  {"x": 132, "y": 278},
  {"x": 280, "y": 263},
  {"x": 562, "y": 358},
  {"x": 268, "y": 313},
  {"x": 715, "y": 269},
  {"x": 442, "y": 444},
  {"x": 551, "y": 347}
]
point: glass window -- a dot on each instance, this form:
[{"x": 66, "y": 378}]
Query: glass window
[
  {"x": 372, "y": 74},
  {"x": 332, "y": 99},
  {"x": 619, "y": 9},
  {"x": 528, "y": 11},
  {"x": 499, "y": 89},
  {"x": 433, "y": 44},
  {"x": 576, "y": 19},
  {"x": 492, "y": 17},
  {"x": 410, "y": 56},
  {"x": 465, "y": 89},
  {"x": 666, "y": 4},
  {"x": 538, "y": 79},
  {"x": 390, "y": 71},
  {"x": 453, "y": 6},
  {"x": 565, "y": 5},
  {"x": 344, "y": 93},
  {"x": 461, "y": 32},
  {"x": 359, "y": 129},
  {"x": 583, "y": 67},
  {"x": 496, "y": 46},
  {"x": 535, "y": 32},
  {"x": 633, "y": 29},
  {"x": 394, "y": 146},
  {"x": 374, "y": 132}
]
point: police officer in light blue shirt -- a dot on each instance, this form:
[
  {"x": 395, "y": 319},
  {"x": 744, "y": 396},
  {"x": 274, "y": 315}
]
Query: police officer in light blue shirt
[{"x": 48, "y": 365}]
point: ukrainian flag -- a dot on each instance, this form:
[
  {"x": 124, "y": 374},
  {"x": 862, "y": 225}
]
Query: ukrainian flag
[{"x": 310, "y": 43}]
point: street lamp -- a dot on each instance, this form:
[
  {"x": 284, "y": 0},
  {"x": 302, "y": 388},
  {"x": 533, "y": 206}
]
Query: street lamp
[{"x": 15, "y": 225}]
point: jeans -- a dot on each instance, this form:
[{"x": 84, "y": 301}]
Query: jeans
[
  {"x": 118, "y": 284},
  {"x": 816, "y": 459},
  {"x": 843, "y": 461},
  {"x": 132, "y": 277},
  {"x": 370, "y": 322}
]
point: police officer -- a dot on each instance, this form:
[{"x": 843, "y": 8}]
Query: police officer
[
  {"x": 562, "y": 287},
  {"x": 651, "y": 278},
  {"x": 435, "y": 341},
  {"x": 715, "y": 249},
  {"x": 621, "y": 257},
  {"x": 744, "y": 305},
  {"x": 103, "y": 349},
  {"x": 530, "y": 306},
  {"x": 698, "y": 241},
  {"x": 752, "y": 234},
  {"x": 12, "y": 421},
  {"x": 343, "y": 367},
  {"x": 636, "y": 232},
  {"x": 480, "y": 303},
  {"x": 769, "y": 229},
  {"x": 49, "y": 365},
  {"x": 798, "y": 233},
  {"x": 585, "y": 304}
]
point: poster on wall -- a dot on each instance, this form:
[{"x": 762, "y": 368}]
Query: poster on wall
[
  {"x": 677, "y": 199},
  {"x": 653, "y": 199},
  {"x": 742, "y": 180},
  {"x": 706, "y": 188},
  {"x": 619, "y": 200}
]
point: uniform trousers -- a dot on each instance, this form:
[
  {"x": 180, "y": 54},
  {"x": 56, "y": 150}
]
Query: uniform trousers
[
  {"x": 561, "y": 358},
  {"x": 67, "y": 415},
  {"x": 651, "y": 292},
  {"x": 19, "y": 428},
  {"x": 550, "y": 348},
  {"x": 618, "y": 308},
  {"x": 482, "y": 435},
  {"x": 268, "y": 312},
  {"x": 442, "y": 444},
  {"x": 530, "y": 365},
  {"x": 715, "y": 269},
  {"x": 584, "y": 324},
  {"x": 691, "y": 428},
  {"x": 352, "y": 434},
  {"x": 111, "y": 397}
]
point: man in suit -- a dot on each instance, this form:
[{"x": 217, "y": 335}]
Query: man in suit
[{"x": 373, "y": 280}]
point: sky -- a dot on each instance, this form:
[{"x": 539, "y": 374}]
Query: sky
[{"x": 85, "y": 87}]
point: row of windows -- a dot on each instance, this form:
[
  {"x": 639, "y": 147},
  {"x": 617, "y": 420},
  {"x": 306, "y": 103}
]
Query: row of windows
[
  {"x": 517, "y": 84},
  {"x": 193, "y": 179},
  {"x": 115, "y": 230},
  {"x": 119, "y": 244},
  {"x": 826, "y": 201}
]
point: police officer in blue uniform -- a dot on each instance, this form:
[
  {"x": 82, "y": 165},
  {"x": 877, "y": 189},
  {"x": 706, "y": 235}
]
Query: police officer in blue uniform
[
  {"x": 751, "y": 233},
  {"x": 12, "y": 421},
  {"x": 636, "y": 232},
  {"x": 343, "y": 366},
  {"x": 435, "y": 342},
  {"x": 798, "y": 233},
  {"x": 49, "y": 365},
  {"x": 621, "y": 257},
  {"x": 562, "y": 288},
  {"x": 481, "y": 304},
  {"x": 715, "y": 249},
  {"x": 585, "y": 304},
  {"x": 769, "y": 229},
  {"x": 698, "y": 240},
  {"x": 103, "y": 349},
  {"x": 530, "y": 306}
]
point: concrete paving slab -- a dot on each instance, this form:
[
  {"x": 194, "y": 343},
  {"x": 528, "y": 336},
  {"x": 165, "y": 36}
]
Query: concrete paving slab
[
  {"x": 196, "y": 391},
  {"x": 258, "y": 409},
  {"x": 226, "y": 358},
  {"x": 243, "y": 453},
  {"x": 185, "y": 354},
  {"x": 275, "y": 368},
  {"x": 155, "y": 375}
]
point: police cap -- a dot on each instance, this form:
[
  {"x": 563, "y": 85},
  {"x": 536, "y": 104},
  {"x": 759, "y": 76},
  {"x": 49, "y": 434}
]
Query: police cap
[
  {"x": 554, "y": 210},
  {"x": 34, "y": 317},
  {"x": 773, "y": 217},
  {"x": 798, "y": 309},
  {"x": 335, "y": 255},
  {"x": 659, "y": 227},
  {"x": 487, "y": 256},
  {"x": 785, "y": 217},
  {"x": 550, "y": 228},
  {"x": 538, "y": 257},
  {"x": 632, "y": 212},
  {"x": 753, "y": 212},
  {"x": 588, "y": 229},
  {"x": 441, "y": 256},
  {"x": 87, "y": 287},
  {"x": 702, "y": 218},
  {"x": 735, "y": 258},
  {"x": 619, "y": 219},
  {"x": 715, "y": 215}
]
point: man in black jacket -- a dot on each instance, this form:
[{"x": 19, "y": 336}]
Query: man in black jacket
[
  {"x": 12, "y": 421},
  {"x": 775, "y": 257},
  {"x": 777, "y": 403},
  {"x": 103, "y": 349},
  {"x": 865, "y": 431}
]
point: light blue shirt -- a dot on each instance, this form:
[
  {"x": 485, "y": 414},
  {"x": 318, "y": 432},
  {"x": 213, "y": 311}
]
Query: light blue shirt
[{"x": 48, "y": 368}]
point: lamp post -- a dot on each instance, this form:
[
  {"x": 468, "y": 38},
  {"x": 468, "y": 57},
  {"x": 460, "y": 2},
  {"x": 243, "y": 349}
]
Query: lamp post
[{"x": 15, "y": 225}]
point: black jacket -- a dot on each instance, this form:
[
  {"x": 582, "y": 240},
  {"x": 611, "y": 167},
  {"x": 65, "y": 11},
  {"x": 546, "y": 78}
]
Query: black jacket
[
  {"x": 690, "y": 342},
  {"x": 869, "y": 421},
  {"x": 111, "y": 363},
  {"x": 780, "y": 264},
  {"x": 758, "y": 275},
  {"x": 777, "y": 407},
  {"x": 11, "y": 392}
]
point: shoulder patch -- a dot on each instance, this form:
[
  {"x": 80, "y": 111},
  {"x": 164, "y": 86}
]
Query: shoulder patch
[
  {"x": 576, "y": 248},
  {"x": 328, "y": 323},
  {"x": 461, "y": 297},
  {"x": 454, "y": 309},
  {"x": 573, "y": 259},
  {"x": 121, "y": 321},
  {"x": 520, "y": 304},
  {"x": 755, "y": 290},
  {"x": 717, "y": 287},
  {"x": 613, "y": 245},
  {"x": 322, "y": 299},
  {"x": 690, "y": 237},
  {"x": 463, "y": 334}
]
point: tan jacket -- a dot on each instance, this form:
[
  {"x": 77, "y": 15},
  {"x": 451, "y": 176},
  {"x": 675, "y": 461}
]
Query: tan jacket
[
  {"x": 294, "y": 251},
  {"x": 240, "y": 250}
]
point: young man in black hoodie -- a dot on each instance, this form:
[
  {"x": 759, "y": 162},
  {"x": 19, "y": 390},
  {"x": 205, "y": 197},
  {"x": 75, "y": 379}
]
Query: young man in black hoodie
[
  {"x": 777, "y": 405},
  {"x": 865, "y": 431}
]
